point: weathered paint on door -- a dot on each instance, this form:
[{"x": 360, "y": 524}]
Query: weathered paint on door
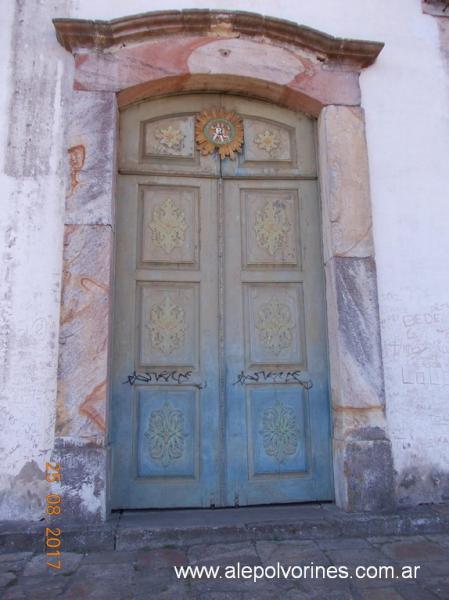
[{"x": 220, "y": 390}]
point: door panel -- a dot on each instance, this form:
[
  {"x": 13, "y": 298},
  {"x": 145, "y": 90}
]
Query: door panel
[
  {"x": 157, "y": 409},
  {"x": 168, "y": 325},
  {"x": 274, "y": 248},
  {"x": 273, "y": 316},
  {"x": 169, "y": 235},
  {"x": 278, "y": 143},
  {"x": 269, "y": 457},
  {"x": 277, "y": 425},
  {"x": 165, "y": 408},
  {"x": 159, "y": 137}
]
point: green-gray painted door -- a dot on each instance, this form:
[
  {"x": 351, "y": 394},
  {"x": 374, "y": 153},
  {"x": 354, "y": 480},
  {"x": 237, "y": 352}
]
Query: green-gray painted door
[{"x": 220, "y": 385}]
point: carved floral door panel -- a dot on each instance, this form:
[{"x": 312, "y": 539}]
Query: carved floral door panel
[
  {"x": 278, "y": 143},
  {"x": 220, "y": 369},
  {"x": 159, "y": 136}
]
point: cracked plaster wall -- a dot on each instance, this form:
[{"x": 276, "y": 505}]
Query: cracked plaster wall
[{"x": 405, "y": 96}]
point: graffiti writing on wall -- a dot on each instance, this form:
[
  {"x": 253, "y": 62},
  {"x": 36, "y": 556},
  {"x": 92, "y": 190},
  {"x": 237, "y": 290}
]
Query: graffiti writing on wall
[{"x": 418, "y": 343}]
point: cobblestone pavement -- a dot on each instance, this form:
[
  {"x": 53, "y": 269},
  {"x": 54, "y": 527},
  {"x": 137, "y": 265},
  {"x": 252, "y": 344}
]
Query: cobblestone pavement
[{"x": 148, "y": 574}]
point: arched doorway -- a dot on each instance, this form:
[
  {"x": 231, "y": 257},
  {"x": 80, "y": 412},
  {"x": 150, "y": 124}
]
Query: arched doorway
[
  {"x": 148, "y": 56},
  {"x": 220, "y": 372}
]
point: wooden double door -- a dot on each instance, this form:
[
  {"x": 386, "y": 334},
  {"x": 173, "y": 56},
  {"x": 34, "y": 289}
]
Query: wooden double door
[{"x": 220, "y": 376}]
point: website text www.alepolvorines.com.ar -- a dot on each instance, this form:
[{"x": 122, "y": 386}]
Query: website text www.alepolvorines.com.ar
[{"x": 308, "y": 571}]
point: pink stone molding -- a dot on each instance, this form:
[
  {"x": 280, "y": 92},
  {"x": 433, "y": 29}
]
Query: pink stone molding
[
  {"x": 146, "y": 56},
  {"x": 156, "y": 54}
]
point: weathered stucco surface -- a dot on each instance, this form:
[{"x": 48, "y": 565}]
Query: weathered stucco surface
[
  {"x": 32, "y": 181},
  {"x": 405, "y": 95}
]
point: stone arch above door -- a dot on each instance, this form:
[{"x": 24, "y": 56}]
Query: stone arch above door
[
  {"x": 128, "y": 60},
  {"x": 154, "y": 54}
]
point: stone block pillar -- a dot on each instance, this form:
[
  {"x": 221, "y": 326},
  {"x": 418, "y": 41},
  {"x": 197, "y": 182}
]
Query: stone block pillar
[
  {"x": 81, "y": 445},
  {"x": 363, "y": 466}
]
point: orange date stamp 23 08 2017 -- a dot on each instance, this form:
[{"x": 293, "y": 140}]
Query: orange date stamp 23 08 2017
[{"x": 53, "y": 508}]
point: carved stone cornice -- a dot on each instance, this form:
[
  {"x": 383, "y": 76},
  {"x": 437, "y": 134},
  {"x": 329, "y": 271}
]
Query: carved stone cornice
[{"x": 84, "y": 36}]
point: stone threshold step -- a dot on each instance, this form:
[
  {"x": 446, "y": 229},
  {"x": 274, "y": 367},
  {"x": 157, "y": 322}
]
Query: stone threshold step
[{"x": 133, "y": 530}]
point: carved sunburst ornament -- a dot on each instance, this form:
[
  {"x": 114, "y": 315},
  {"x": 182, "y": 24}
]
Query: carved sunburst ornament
[{"x": 217, "y": 129}]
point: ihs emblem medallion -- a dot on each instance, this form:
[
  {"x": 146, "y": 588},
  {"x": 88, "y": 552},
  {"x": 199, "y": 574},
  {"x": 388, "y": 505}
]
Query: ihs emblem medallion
[{"x": 217, "y": 129}]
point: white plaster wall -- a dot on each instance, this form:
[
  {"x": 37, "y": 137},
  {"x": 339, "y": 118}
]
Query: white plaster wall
[
  {"x": 32, "y": 202},
  {"x": 406, "y": 97}
]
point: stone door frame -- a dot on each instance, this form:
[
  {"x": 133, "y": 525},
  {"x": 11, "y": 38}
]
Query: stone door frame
[{"x": 141, "y": 57}]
